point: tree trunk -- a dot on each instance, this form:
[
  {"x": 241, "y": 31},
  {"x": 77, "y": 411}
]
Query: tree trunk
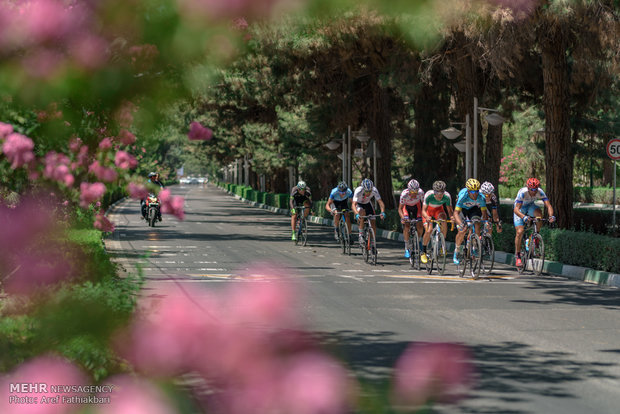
[
  {"x": 379, "y": 128},
  {"x": 558, "y": 149},
  {"x": 492, "y": 156}
]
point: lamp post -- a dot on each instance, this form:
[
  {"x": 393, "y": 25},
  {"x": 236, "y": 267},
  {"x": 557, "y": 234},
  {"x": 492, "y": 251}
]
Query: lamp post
[
  {"x": 362, "y": 136},
  {"x": 493, "y": 119},
  {"x": 453, "y": 133},
  {"x": 334, "y": 144}
]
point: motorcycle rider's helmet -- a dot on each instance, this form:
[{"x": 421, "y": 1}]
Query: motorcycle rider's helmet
[
  {"x": 487, "y": 188},
  {"x": 342, "y": 186}
]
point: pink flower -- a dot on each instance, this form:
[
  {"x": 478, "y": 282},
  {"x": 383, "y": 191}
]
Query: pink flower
[
  {"x": 134, "y": 396},
  {"x": 18, "y": 149},
  {"x": 126, "y": 137},
  {"x": 143, "y": 150},
  {"x": 88, "y": 50},
  {"x": 103, "y": 173},
  {"x": 137, "y": 191},
  {"x": 172, "y": 204},
  {"x": 199, "y": 133},
  {"x": 89, "y": 193},
  {"x": 102, "y": 223},
  {"x": 75, "y": 144},
  {"x": 432, "y": 372},
  {"x": 56, "y": 168},
  {"x": 5, "y": 130},
  {"x": 124, "y": 160},
  {"x": 44, "y": 371},
  {"x": 125, "y": 114},
  {"x": 105, "y": 144}
]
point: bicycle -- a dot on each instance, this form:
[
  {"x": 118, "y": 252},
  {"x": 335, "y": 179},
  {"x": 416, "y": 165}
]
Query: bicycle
[
  {"x": 369, "y": 241},
  {"x": 437, "y": 252},
  {"x": 413, "y": 244},
  {"x": 532, "y": 249},
  {"x": 471, "y": 254},
  {"x": 488, "y": 248},
  {"x": 343, "y": 232},
  {"x": 301, "y": 226}
]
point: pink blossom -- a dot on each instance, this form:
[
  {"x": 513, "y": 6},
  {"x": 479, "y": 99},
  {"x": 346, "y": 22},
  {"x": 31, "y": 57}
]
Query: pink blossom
[
  {"x": 102, "y": 223},
  {"x": 124, "y": 160},
  {"x": 18, "y": 149},
  {"x": 105, "y": 144},
  {"x": 134, "y": 396},
  {"x": 75, "y": 144},
  {"x": 89, "y": 51},
  {"x": 172, "y": 204},
  {"x": 126, "y": 137},
  {"x": 46, "y": 370},
  {"x": 432, "y": 372},
  {"x": 89, "y": 193},
  {"x": 124, "y": 115},
  {"x": 103, "y": 173},
  {"x": 199, "y": 133},
  {"x": 5, "y": 130},
  {"x": 137, "y": 191},
  {"x": 56, "y": 168},
  {"x": 143, "y": 150},
  {"x": 81, "y": 158}
]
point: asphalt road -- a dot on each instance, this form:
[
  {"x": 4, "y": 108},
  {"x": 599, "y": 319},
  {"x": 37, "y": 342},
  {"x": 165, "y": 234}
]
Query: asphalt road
[{"x": 540, "y": 345}]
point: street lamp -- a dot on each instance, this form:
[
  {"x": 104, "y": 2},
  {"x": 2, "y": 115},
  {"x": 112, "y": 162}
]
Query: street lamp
[
  {"x": 332, "y": 145},
  {"x": 453, "y": 133},
  {"x": 493, "y": 119}
]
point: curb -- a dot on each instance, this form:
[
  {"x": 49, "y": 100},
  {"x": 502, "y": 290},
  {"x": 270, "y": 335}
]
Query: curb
[{"x": 584, "y": 274}]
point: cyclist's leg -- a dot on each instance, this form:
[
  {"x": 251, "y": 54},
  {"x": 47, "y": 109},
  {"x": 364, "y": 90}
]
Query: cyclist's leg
[
  {"x": 535, "y": 211},
  {"x": 306, "y": 208},
  {"x": 519, "y": 228},
  {"x": 460, "y": 236}
]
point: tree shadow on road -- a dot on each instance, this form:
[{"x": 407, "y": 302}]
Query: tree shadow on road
[
  {"x": 553, "y": 293},
  {"x": 507, "y": 373}
]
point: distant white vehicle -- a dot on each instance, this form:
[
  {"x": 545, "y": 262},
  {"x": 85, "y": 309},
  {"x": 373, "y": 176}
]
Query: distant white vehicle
[
  {"x": 201, "y": 180},
  {"x": 184, "y": 180}
]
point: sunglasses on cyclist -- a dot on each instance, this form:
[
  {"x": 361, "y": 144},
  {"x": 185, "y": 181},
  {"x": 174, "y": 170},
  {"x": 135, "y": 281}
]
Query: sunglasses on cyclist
[
  {"x": 439, "y": 192},
  {"x": 473, "y": 191},
  {"x": 367, "y": 192}
]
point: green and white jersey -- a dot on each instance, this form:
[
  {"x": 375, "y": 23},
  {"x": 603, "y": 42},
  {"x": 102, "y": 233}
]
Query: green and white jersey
[{"x": 431, "y": 200}]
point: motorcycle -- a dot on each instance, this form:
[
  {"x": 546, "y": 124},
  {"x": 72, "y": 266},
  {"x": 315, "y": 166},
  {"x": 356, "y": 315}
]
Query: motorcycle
[{"x": 153, "y": 213}]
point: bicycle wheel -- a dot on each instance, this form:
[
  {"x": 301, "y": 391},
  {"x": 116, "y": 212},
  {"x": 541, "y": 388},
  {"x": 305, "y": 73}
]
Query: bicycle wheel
[
  {"x": 537, "y": 250},
  {"x": 341, "y": 237},
  {"x": 304, "y": 231},
  {"x": 463, "y": 258},
  {"x": 488, "y": 254},
  {"x": 475, "y": 256},
  {"x": 297, "y": 229},
  {"x": 372, "y": 246},
  {"x": 365, "y": 248},
  {"x": 431, "y": 251},
  {"x": 414, "y": 249},
  {"x": 347, "y": 240},
  {"x": 440, "y": 253},
  {"x": 524, "y": 257}
]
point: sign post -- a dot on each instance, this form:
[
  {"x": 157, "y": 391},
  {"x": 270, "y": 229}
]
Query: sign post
[{"x": 613, "y": 151}]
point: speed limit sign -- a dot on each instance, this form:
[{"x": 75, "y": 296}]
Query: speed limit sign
[{"x": 613, "y": 149}]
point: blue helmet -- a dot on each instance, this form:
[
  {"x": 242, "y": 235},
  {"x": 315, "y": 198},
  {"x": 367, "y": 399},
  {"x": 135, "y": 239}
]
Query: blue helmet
[
  {"x": 367, "y": 185},
  {"x": 342, "y": 186}
]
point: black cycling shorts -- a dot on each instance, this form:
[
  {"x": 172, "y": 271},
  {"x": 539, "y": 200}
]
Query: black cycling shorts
[
  {"x": 367, "y": 208},
  {"x": 341, "y": 205},
  {"x": 471, "y": 213}
]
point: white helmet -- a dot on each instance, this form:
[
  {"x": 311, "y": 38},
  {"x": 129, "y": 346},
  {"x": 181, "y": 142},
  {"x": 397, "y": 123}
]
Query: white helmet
[
  {"x": 487, "y": 188},
  {"x": 413, "y": 185},
  {"x": 301, "y": 185},
  {"x": 367, "y": 185}
]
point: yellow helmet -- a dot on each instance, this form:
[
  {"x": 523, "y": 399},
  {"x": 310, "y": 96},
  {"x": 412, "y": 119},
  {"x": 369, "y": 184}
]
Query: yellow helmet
[{"x": 472, "y": 184}]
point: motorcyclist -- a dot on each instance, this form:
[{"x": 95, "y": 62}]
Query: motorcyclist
[{"x": 153, "y": 178}]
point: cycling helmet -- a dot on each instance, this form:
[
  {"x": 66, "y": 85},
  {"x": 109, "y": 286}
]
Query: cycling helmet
[
  {"x": 533, "y": 183},
  {"x": 342, "y": 186},
  {"x": 439, "y": 186},
  {"x": 472, "y": 184},
  {"x": 413, "y": 185},
  {"x": 367, "y": 185},
  {"x": 152, "y": 174},
  {"x": 487, "y": 188},
  {"x": 301, "y": 185}
]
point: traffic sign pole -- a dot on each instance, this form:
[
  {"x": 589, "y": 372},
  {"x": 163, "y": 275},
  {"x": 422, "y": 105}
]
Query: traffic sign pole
[{"x": 613, "y": 151}]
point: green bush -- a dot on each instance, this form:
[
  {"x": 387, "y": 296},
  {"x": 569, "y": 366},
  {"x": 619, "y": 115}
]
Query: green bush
[
  {"x": 583, "y": 249},
  {"x": 600, "y": 195},
  {"x": 281, "y": 200}
]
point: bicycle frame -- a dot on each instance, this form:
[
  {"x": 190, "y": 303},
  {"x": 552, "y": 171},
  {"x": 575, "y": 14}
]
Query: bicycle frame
[
  {"x": 532, "y": 247},
  {"x": 437, "y": 253},
  {"x": 472, "y": 251},
  {"x": 369, "y": 247},
  {"x": 343, "y": 231},
  {"x": 414, "y": 243},
  {"x": 301, "y": 225}
]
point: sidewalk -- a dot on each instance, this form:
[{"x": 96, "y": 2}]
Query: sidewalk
[{"x": 554, "y": 268}]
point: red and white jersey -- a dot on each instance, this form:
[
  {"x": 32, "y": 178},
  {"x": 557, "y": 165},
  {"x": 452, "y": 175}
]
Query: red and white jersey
[
  {"x": 360, "y": 197},
  {"x": 411, "y": 198}
]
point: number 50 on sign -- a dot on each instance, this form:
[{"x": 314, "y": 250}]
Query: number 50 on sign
[{"x": 613, "y": 149}]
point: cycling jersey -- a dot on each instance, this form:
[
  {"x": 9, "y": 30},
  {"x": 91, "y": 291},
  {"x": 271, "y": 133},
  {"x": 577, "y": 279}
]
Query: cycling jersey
[
  {"x": 430, "y": 200},
  {"x": 524, "y": 197},
  {"x": 412, "y": 198},
  {"x": 494, "y": 203},
  {"x": 362, "y": 198},
  {"x": 465, "y": 202},
  {"x": 298, "y": 199},
  {"x": 338, "y": 195}
]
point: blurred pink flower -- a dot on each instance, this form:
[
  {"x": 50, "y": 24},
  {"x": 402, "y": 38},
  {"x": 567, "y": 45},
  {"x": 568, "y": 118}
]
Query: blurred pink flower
[
  {"x": 137, "y": 191},
  {"x": 43, "y": 370},
  {"x": 432, "y": 372},
  {"x": 90, "y": 193},
  {"x": 56, "y": 168},
  {"x": 134, "y": 396},
  {"x": 124, "y": 160},
  {"x": 143, "y": 150},
  {"x": 102, "y": 223},
  {"x": 5, "y": 130},
  {"x": 126, "y": 137},
  {"x": 18, "y": 149},
  {"x": 199, "y": 133},
  {"x": 103, "y": 173},
  {"x": 44, "y": 64},
  {"x": 172, "y": 204},
  {"x": 75, "y": 144},
  {"x": 125, "y": 113},
  {"x": 105, "y": 143},
  {"x": 88, "y": 50}
]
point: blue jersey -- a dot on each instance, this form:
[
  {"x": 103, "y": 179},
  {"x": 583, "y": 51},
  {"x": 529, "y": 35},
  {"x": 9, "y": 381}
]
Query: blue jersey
[
  {"x": 338, "y": 195},
  {"x": 464, "y": 201}
]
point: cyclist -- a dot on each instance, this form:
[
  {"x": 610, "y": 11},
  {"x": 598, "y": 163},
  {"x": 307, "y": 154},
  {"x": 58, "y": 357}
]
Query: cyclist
[
  {"x": 410, "y": 206},
  {"x": 488, "y": 191},
  {"x": 153, "y": 178},
  {"x": 525, "y": 208},
  {"x": 339, "y": 200},
  {"x": 300, "y": 196},
  {"x": 361, "y": 205},
  {"x": 436, "y": 202},
  {"x": 470, "y": 204}
]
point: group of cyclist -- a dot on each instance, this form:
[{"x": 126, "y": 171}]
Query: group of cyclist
[{"x": 420, "y": 208}]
